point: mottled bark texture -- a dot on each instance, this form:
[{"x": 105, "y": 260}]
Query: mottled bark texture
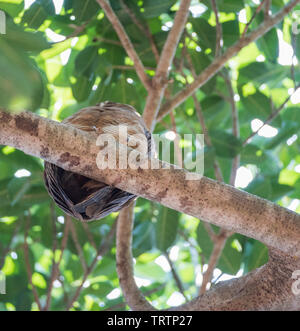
[
  {"x": 269, "y": 287},
  {"x": 211, "y": 201}
]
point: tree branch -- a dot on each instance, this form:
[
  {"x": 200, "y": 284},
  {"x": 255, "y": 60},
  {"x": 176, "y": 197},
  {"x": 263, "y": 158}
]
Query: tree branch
[
  {"x": 159, "y": 82},
  {"x": 258, "y": 9},
  {"x": 219, "y": 62},
  {"x": 171, "y": 43},
  {"x": 211, "y": 201},
  {"x": 219, "y": 31},
  {"x": 266, "y": 288},
  {"x": 113, "y": 18},
  {"x": 102, "y": 250},
  {"x": 27, "y": 264},
  {"x": 143, "y": 29},
  {"x": 134, "y": 297},
  {"x": 271, "y": 117},
  {"x": 219, "y": 244}
]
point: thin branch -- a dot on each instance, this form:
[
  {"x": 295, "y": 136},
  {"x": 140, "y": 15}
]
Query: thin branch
[
  {"x": 235, "y": 124},
  {"x": 132, "y": 294},
  {"x": 207, "y": 140},
  {"x": 267, "y": 8},
  {"x": 89, "y": 235},
  {"x": 199, "y": 112},
  {"x": 77, "y": 30},
  {"x": 219, "y": 32},
  {"x": 294, "y": 44},
  {"x": 160, "y": 80},
  {"x": 125, "y": 67},
  {"x": 271, "y": 117},
  {"x": 27, "y": 264},
  {"x": 55, "y": 265},
  {"x": 171, "y": 43},
  {"x": 143, "y": 29},
  {"x": 219, "y": 244},
  {"x": 219, "y": 62},
  {"x": 258, "y": 9},
  {"x": 78, "y": 247},
  {"x": 102, "y": 250},
  {"x": 114, "y": 20},
  {"x": 175, "y": 275}
]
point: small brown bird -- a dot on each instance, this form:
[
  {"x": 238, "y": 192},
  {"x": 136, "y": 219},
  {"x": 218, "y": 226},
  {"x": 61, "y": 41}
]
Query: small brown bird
[{"x": 82, "y": 197}]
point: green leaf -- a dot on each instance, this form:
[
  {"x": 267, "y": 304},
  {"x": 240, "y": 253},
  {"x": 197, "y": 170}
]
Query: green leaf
[
  {"x": 263, "y": 73},
  {"x": 212, "y": 105},
  {"x": 230, "y": 6},
  {"x": 166, "y": 228},
  {"x": 22, "y": 40},
  {"x": 151, "y": 271},
  {"x": 82, "y": 88},
  {"x": 200, "y": 62},
  {"x": 204, "y": 241},
  {"x": 269, "y": 45},
  {"x": 143, "y": 238},
  {"x": 279, "y": 191},
  {"x": 260, "y": 186},
  {"x": 84, "y": 11},
  {"x": 231, "y": 32},
  {"x": 35, "y": 16},
  {"x": 86, "y": 61},
  {"x": 257, "y": 105},
  {"x": 154, "y": 8},
  {"x": 13, "y": 9},
  {"x": 256, "y": 255},
  {"x": 287, "y": 130},
  {"x": 205, "y": 32},
  {"x": 227, "y": 6},
  {"x": 21, "y": 85},
  {"x": 225, "y": 144},
  {"x": 230, "y": 259}
]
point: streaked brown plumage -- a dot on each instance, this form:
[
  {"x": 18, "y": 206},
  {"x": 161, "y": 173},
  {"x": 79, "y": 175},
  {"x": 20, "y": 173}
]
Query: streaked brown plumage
[{"x": 79, "y": 196}]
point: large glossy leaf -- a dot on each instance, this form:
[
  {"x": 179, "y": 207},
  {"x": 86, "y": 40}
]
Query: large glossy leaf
[
  {"x": 225, "y": 144},
  {"x": 154, "y": 8},
  {"x": 166, "y": 228}
]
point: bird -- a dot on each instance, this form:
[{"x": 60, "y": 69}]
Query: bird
[{"x": 83, "y": 198}]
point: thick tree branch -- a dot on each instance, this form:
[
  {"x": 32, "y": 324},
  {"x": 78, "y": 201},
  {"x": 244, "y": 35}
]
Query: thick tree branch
[
  {"x": 174, "y": 36},
  {"x": 266, "y": 288},
  {"x": 134, "y": 297},
  {"x": 206, "y": 199},
  {"x": 113, "y": 18},
  {"x": 219, "y": 62}
]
